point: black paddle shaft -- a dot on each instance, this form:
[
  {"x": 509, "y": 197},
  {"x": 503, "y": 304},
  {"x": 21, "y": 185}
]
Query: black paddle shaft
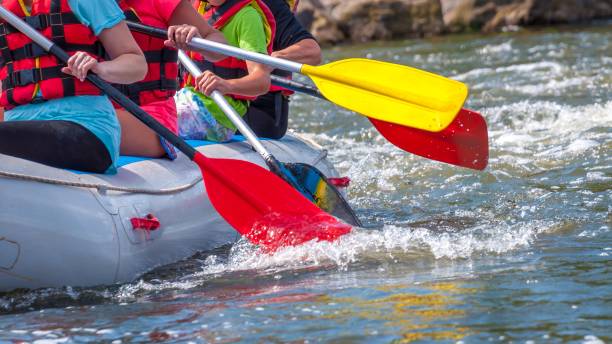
[
  {"x": 296, "y": 86},
  {"x": 132, "y": 107},
  {"x": 149, "y": 30}
]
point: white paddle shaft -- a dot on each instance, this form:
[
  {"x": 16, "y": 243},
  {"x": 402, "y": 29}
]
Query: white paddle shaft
[
  {"x": 229, "y": 111},
  {"x": 228, "y": 50}
]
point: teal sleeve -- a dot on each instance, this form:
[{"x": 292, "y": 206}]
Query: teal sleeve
[{"x": 98, "y": 15}]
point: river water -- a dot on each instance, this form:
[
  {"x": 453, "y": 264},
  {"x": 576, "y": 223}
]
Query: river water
[{"x": 518, "y": 253}]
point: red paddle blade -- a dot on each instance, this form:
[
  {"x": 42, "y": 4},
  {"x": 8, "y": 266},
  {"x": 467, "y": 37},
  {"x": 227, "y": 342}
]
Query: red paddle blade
[
  {"x": 263, "y": 207},
  {"x": 465, "y": 142}
]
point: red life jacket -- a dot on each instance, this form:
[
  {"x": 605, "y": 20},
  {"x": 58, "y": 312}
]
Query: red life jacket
[
  {"x": 161, "y": 81},
  {"x": 26, "y": 70},
  {"x": 230, "y": 67}
]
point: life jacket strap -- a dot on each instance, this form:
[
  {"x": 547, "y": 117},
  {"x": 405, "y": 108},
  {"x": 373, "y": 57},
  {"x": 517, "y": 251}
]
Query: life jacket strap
[
  {"x": 43, "y": 21},
  {"x": 33, "y": 50},
  {"x": 32, "y": 76},
  {"x": 222, "y": 72},
  {"x": 161, "y": 56},
  {"x": 133, "y": 91}
]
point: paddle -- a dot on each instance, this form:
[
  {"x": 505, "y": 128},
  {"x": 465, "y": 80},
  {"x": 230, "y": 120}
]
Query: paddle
[
  {"x": 465, "y": 142},
  {"x": 257, "y": 203},
  {"x": 311, "y": 182},
  {"x": 380, "y": 90}
]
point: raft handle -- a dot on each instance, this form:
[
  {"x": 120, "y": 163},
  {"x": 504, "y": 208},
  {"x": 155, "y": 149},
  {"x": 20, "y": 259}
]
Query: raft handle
[
  {"x": 149, "y": 223},
  {"x": 341, "y": 182}
]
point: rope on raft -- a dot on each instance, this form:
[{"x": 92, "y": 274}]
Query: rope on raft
[{"x": 100, "y": 187}]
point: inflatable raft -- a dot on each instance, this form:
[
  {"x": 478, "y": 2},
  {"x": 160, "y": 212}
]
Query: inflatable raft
[{"x": 60, "y": 227}]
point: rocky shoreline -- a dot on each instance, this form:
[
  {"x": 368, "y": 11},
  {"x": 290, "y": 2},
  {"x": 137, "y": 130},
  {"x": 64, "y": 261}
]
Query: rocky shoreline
[{"x": 337, "y": 21}]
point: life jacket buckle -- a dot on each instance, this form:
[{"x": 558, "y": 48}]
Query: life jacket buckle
[
  {"x": 33, "y": 50},
  {"x": 23, "y": 77},
  {"x": 56, "y": 19}
]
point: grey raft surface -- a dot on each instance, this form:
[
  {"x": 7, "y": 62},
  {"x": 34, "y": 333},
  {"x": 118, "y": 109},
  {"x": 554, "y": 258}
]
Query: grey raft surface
[{"x": 60, "y": 228}]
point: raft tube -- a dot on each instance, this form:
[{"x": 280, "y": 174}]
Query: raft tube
[{"x": 65, "y": 228}]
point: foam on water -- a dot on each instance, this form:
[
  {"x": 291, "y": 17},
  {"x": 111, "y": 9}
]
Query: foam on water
[
  {"x": 452, "y": 240},
  {"x": 542, "y": 67}
]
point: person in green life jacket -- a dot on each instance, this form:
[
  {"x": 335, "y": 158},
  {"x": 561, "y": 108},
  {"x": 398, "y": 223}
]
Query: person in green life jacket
[{"x": 249, "y": 25}]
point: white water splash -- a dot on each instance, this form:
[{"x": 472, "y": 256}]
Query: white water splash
[{"x": 392, "y": 243}]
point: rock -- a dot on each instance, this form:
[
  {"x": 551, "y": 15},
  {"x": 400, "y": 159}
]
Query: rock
[
  {"x": 366, "y": 20},
  {"x": 491, "y": 15},
  {"x": 569, "y": 11},
  {"x": 315, "y": 15},
  {"x": 333, "y": 21}
]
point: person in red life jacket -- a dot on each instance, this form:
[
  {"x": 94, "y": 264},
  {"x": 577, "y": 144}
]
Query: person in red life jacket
[
  {"x": 53, "y": 116},
  {"x": 155, "y": 94},
  {"x": 247, "y": 24},
  {"x": 268, "y": 114}
]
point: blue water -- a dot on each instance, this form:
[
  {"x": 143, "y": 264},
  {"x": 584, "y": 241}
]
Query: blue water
[{"x": 518, "y": 253}]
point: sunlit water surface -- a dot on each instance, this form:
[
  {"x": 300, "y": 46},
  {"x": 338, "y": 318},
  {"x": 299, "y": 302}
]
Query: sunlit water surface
[{"x": 518, "y": 253}]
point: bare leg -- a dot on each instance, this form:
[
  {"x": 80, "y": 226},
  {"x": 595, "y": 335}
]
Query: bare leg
[{"x": 137, "y": 139}]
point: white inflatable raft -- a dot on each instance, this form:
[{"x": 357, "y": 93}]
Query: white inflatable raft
[{"x": 61, "y": 227}]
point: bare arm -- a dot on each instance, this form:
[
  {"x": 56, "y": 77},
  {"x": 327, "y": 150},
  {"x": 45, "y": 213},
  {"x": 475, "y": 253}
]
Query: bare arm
[
  {"x": 127, "y": 64},
  {"x": 256, "y": 83},
  {"x": 305, "y": 51},
  {"x": 185, "y": 15}
]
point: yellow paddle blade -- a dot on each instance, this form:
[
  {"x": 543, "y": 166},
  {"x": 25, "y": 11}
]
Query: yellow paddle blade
[{"x": 391, "y": 92}]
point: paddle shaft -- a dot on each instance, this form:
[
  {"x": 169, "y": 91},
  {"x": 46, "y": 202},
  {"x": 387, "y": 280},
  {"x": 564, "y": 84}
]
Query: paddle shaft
[
  {"x": 296, "y": 86},
  {"x": 112, "y": 92},
  {"x": 431, "y": 100},
  {"x": 229, "y": 111},
  {"x": 273, "y": 163},
  {"x": 224, "y": 49},
  {"x": 290, "y": 66}
]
